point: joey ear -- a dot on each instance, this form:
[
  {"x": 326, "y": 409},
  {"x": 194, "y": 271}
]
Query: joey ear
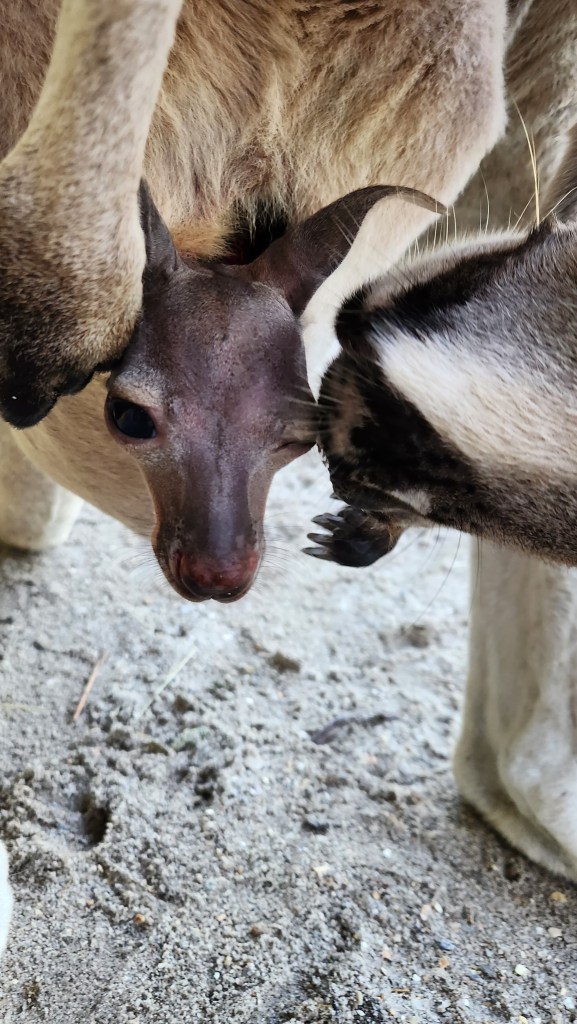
[
  {"x": 299, "y": 262},
  {"x": 162, "y": 257}
]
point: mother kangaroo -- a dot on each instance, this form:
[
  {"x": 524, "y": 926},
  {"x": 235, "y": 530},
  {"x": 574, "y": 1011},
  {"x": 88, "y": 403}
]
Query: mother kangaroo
[{"x": 260, "y": 115}]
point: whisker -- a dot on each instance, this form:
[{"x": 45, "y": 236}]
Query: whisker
[
  {"x": 442, "y": 584},
  {"x": 533, "y": 158},
  {"x": 522, "y": 214},
  {"x": 560, "y": 201},
  {"x": 486, "y": 231}
]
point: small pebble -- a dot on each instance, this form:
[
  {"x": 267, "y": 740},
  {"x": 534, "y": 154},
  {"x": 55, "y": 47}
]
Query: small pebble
[
  {"x": 318, "y": 825},
  {"x": 445, "y": 945},
  {"x": 257, "y": 929},
  {"x": 417, "y": 635},
  {"x": 155, "y": 747},
  {"x": 321, "y": 870},
  {"x": 283, "y": 663},
  {"x": 558, "y": 897},
  {"x": 488, "y": 970},
  {"x": 189, "y": 739},
  {"x": 522, "y": 971},
  {"x": 555, "y": 933}
]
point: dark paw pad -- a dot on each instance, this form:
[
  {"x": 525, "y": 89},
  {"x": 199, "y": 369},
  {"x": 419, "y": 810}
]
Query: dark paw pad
[
  {"x": 353, "y": 538},
  {"x": 28, "y": 392}
]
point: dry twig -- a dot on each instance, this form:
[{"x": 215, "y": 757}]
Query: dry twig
[{"x": 89, "y": 684}]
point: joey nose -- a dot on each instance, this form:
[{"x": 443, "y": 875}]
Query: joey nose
[{"x": 202, "y": 579}]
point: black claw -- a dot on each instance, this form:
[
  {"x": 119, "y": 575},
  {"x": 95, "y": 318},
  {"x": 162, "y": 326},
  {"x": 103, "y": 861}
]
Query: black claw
[
  {"x": 353, "y": 537},
  {"x": 320, "y": 538},
  {"x": 327, "y": 520},
  {"x": 323, "y": 553}
]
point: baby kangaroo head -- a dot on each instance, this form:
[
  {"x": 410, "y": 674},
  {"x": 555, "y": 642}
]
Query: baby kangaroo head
[{"x": 212, "y": 397}]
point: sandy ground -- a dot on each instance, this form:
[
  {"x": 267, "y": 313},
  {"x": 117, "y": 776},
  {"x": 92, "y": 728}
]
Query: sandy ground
[{"x": 187, "y": 852}]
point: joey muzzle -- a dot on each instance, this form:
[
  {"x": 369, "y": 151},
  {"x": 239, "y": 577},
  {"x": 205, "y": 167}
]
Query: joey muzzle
[{"x": 214, "y": 550}]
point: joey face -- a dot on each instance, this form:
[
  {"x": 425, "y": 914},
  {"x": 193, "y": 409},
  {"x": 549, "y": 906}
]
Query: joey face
[{"x": 212, "y": 399}]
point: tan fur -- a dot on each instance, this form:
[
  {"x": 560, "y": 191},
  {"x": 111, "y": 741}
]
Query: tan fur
[
  {"x": 64, "y": 248},
  {"x": 50, "y": 445},
  {"x": 247, "y": 109}
]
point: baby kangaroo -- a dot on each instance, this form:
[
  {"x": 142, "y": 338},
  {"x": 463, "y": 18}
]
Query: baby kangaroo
[{"x": 454, "y": 400}]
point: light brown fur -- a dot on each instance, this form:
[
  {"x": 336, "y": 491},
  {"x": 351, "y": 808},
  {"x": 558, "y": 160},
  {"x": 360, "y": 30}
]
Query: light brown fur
[{"x": 250, "y": 108}]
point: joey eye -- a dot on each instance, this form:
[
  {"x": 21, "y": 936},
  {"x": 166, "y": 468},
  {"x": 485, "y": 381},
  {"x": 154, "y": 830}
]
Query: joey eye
[{"x": 131, "y": 420}]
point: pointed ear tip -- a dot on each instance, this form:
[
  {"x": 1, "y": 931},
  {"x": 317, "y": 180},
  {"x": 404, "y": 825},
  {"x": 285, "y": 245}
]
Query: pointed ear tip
[
  {"x": 435, "y": 205},
  {"x": 403, "y": 192}
]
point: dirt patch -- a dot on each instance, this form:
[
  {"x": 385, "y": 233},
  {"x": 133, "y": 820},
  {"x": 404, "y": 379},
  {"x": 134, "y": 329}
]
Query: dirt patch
[{"x": 273, "y": 836}]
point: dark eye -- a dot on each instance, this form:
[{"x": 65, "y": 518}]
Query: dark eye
[{"x": 131, "y": 420}]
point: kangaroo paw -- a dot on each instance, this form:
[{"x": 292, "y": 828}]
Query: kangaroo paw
[{"x": 353, "y": 537}]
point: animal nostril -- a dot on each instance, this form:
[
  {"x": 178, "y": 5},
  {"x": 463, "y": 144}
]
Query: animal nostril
[
  {"x": 213, "y": 592},
  {"x": 204, "y": 581},
  {"x": 131, "y": 420}
]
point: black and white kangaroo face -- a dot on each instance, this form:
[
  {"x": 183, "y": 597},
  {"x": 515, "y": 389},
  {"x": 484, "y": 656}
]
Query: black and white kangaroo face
[{"x": 454, "y": 401}]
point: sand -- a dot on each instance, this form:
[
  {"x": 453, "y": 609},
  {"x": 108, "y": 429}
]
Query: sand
[{"x": 189, "y": 851}]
